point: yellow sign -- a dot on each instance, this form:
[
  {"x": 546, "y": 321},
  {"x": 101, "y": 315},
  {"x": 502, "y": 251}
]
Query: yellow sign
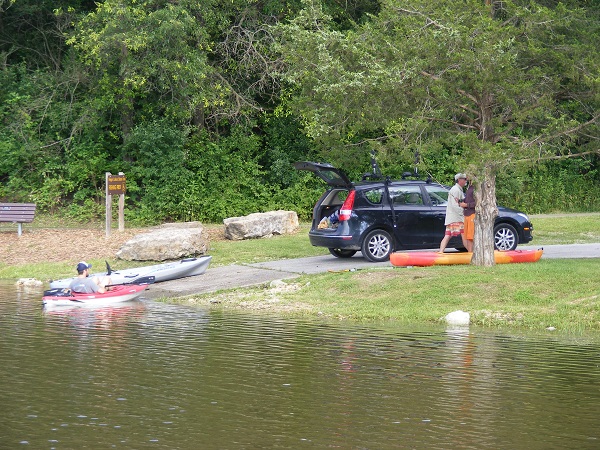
[{"x": 116, "y": 184}]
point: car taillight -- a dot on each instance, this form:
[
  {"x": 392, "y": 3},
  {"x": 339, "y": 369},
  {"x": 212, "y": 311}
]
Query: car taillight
[{"x": 346, "y": 209}]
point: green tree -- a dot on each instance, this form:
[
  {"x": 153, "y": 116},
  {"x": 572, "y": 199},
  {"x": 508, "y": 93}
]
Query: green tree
[
  {"x": 148, "y": 59},
  {"x": 504, "y": 80}
]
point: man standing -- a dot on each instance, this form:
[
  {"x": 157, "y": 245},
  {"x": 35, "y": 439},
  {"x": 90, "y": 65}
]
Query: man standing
[
  {"x": 84, "y": 284},
  {"x": 454, "y": 212}
]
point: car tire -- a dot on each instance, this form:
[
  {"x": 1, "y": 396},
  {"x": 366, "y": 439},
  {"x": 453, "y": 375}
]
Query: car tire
[
  {"x": 505, "y": 237},
  {"x": 377, "y": 246},
  {"x": 342, "y": 253}
]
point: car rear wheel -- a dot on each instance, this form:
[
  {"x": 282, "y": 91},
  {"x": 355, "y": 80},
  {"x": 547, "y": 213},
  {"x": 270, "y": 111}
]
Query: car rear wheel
[
  {"x": 505, "y": 237},
  {"x": 341, "y": 253},
  {"x": 377, "y": 246}
]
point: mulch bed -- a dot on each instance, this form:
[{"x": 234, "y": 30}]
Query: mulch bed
[{"x": 38, "y": 245}]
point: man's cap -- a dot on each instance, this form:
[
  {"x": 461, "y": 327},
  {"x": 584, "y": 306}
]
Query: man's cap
[
  {"x": 83, "y": 266},
  {"x": 458, "y": 176}
]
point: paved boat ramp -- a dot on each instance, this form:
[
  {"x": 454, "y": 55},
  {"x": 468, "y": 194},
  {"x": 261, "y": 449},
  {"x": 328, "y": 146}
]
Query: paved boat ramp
[{"x": 237, "y": 275}]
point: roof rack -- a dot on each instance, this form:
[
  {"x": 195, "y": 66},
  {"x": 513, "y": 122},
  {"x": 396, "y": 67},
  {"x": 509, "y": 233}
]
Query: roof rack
[
  {"x": 376, "y": 173},
  {"x": 416, "y": 176},
  {"x": 406, "y": 175}
]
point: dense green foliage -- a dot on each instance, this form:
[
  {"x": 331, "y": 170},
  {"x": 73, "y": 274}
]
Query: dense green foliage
[{"x": 205, "y": 105}]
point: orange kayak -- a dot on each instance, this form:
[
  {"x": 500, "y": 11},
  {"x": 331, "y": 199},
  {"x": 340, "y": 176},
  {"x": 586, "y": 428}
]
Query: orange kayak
[{"x": 403, "y": 259}]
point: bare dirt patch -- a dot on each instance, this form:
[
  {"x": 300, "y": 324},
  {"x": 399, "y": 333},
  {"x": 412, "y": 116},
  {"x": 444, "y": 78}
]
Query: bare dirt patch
[
  {"x": 40, "y": 245},
  {"x": 54, "y": 245}
]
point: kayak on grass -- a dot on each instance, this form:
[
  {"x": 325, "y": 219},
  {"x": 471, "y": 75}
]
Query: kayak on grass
[
  {"x": 416, "y": 258},
  {"x": 116, "y": 294},
  {"x": 162, "y": 272}
]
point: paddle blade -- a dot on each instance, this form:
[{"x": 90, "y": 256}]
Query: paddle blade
[
  {"x": 108, "y": 269},
  {"x": 58, "y": 292},
  {"x": 141, "y": 280}
]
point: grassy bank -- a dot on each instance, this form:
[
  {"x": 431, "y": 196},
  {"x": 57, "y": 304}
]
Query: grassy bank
[{"x": 550, "y": 293}]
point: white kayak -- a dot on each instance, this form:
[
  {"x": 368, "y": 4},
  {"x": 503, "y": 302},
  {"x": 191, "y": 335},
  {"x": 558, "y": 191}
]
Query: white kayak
[{"x": 162, "y": 272}]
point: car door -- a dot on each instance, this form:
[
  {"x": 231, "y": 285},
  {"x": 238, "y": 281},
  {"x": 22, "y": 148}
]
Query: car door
[
  {"x": 437, "y": 196},
  {"x": 411, "y": 212}
]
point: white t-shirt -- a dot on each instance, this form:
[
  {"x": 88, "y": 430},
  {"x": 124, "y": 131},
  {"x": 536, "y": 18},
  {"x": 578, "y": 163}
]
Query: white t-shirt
[{"x": 454, "y": 213}]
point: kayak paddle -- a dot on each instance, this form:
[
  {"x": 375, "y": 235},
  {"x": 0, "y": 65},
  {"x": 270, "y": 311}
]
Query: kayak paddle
[{"x": 141, "y": 280}]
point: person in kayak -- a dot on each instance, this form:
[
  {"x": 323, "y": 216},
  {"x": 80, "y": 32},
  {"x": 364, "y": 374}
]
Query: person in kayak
[{"x": 84, "y": 284}]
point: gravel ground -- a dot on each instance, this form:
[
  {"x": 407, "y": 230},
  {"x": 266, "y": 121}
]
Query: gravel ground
[{"x": 38, "y": 245}]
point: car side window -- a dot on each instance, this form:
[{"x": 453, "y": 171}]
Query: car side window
[
  {"x": 374, "y": 196},
  {"x": 438, "y": 195},
  {"x": 406, "y": 195}
]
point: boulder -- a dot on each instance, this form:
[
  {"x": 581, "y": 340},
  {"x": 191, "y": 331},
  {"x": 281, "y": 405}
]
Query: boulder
[
  {"x": 458, "y": 318},
  {"x": 260, "y": 225},
  {"x": 167, "y": 242},
  {"x": 178, "y": 225},
  {"x": 29, "y": 283}
]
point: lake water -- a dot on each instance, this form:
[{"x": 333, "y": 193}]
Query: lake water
[{"x": 153, "y": 375}]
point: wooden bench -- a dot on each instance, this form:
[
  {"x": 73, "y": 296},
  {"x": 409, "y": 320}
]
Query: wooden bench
[{"x": 18, "y": 213}]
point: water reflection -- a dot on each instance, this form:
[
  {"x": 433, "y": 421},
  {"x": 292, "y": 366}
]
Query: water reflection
[{"x": 155, "y": 375}]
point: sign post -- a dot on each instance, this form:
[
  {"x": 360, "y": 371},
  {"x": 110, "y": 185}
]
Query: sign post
[{"x": 115, "y": 184}]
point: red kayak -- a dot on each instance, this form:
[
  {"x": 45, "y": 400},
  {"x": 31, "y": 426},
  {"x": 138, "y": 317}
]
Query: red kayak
[
  {"x": 115, "y": 294},
  {"x": 403, "y": 259}
]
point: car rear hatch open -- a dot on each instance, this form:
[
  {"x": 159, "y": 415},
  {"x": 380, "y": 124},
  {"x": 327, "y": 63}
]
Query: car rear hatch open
[{"x": 332, "y": 176}]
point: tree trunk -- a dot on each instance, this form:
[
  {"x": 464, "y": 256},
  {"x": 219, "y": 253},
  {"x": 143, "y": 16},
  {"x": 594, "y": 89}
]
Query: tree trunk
[
  {"x": 485, "y": 214},
  {"x": 125, "y": 99}
]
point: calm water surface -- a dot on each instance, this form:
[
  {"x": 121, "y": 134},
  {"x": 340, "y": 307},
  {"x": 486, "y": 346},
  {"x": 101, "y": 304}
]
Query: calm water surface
[{"x": 152, "y": 375}]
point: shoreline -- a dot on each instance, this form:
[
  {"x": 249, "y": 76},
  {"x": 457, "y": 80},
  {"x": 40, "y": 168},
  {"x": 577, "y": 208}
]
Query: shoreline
[{"x": 530, "y": 296}]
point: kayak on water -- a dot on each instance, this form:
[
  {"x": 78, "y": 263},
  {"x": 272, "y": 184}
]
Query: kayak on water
[
  {"x": 115, "y": 294},
  {"x": 162, "y": 272}
]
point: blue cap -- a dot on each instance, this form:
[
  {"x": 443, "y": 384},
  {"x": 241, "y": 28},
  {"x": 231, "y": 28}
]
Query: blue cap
[{"x": 83, "y": 266}]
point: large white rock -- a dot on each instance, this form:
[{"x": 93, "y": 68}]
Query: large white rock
[
  {"x": 458, "y": 318},
  {"x": 167, "y": 242},
  {"x": 259, "y": 225}
]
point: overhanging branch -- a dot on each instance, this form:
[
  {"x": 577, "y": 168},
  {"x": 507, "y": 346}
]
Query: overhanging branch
[
  {"x": 554, "y": 157},
  {"x": 541, "y": 138}
]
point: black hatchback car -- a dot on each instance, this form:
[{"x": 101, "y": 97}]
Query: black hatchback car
[{"x": 378, "y": 217}]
